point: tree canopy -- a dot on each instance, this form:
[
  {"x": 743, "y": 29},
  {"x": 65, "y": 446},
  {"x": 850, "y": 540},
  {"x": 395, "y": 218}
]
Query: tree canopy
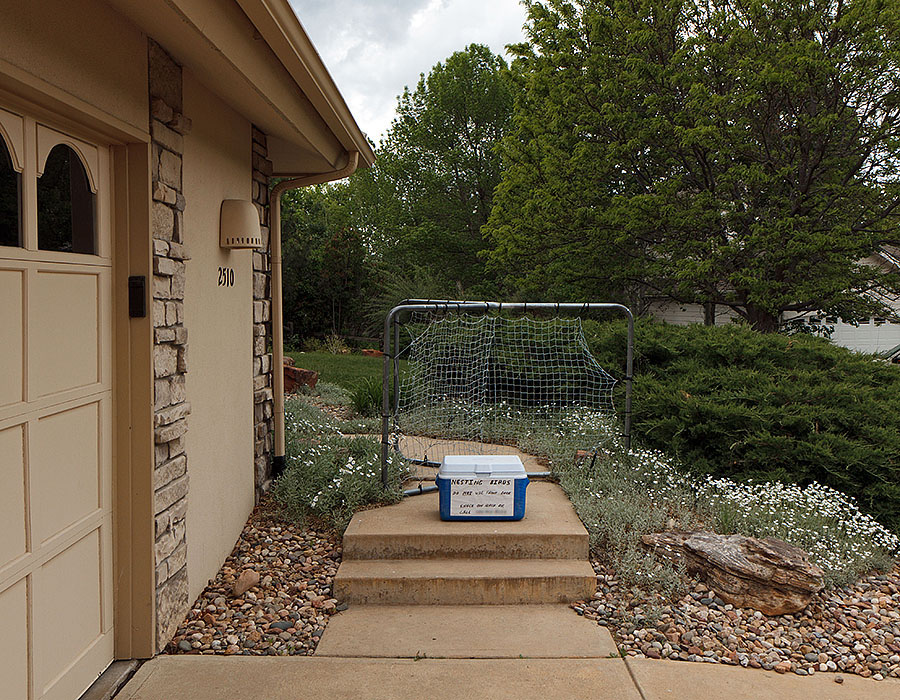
[
  {"x": 736, "y": 152},
  {"x": 327, "y": 267},
  {"x": 440, "y": 160},
  {"x": 411, "y": 225}
]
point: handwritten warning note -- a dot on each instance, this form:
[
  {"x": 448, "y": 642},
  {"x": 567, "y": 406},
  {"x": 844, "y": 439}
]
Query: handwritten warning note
[{"x": 487, "y": 497}]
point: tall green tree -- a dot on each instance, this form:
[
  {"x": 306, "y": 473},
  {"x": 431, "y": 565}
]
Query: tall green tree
[
  {"x": 735, "y": 152},
  {"x": 328, "y": 268},
  {"x": 411, "y": 225},
  {"x": 440, "y": 164}
]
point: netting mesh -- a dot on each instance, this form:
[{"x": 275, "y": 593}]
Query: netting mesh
[{"x": 483, "y": 384}]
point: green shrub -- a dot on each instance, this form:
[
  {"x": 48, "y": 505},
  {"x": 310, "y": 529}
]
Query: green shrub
[
  {"x": 618, "y": 500},
  {"x": 333, "y": 394},
  {"x": 621, "y": 496},
  {"x": 328, "y": 475},
  {"x": 303, "y": 419},
  {"x": 366, "y": 397},
  {"x": 732, "y": 402},
  {"x": 332, "y": 344},
  {"x": 336, "y": 345},
  {"x": 311, "y": 344}
]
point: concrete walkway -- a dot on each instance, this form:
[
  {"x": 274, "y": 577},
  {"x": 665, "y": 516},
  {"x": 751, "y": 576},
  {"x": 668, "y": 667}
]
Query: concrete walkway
[
  {"x": 465, "y": 632},
  {"x": 319, "y": 678}
]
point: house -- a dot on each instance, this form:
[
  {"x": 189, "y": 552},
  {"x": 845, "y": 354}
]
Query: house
[
  {"x": 870, "y": 335},
  {"x": 137, "y": 140}
]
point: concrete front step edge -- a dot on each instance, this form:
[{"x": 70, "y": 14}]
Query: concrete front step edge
[
  {"x": 464, "y": 581},
  {"x": 463, "y": 546}
]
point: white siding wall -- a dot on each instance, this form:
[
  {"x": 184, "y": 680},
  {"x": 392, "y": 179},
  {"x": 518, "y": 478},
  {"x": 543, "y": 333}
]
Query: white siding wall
[{"x": 873, "y": 336}]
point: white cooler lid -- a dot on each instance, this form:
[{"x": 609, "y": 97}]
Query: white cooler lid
[{"x": 464, "y": 465}]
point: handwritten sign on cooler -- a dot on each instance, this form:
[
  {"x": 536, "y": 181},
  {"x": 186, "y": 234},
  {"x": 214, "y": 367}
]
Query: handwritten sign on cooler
[{"x": 485, "y": 497}]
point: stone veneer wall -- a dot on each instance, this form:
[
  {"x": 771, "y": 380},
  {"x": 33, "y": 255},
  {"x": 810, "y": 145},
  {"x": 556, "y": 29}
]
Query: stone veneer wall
[
  {"x": 263, "y": 405},
  {"x": 167, "y": 129}
]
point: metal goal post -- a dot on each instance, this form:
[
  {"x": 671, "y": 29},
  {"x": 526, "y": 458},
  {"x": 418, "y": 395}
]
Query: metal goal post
[{"x": 391, "y": 349}]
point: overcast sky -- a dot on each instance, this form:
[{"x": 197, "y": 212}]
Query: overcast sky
[{"x": 373, "y": 48}]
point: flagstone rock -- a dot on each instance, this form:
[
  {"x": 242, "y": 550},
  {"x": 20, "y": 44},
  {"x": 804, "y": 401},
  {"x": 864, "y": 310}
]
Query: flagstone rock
[
  {"x": 295, "y": 376},
  {"x": 768, "y": 574}
]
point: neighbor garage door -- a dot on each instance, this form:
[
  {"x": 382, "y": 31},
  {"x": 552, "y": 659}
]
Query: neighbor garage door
[{"x": 55, "y": 411}]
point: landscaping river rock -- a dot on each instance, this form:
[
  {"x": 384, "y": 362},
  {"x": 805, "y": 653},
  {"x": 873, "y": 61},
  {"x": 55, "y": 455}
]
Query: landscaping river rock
[
  {"x": 285, "y": 608},
  {"x": 853, "y": 629}
]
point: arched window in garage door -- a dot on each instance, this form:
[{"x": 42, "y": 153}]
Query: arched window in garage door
[
  {"x": 10, "y": 198},
  {"x": 66, "y": 204}
]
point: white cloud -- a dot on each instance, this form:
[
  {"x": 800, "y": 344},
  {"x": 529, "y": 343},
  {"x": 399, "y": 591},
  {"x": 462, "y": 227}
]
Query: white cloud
[{"x": 374, "y": 48}]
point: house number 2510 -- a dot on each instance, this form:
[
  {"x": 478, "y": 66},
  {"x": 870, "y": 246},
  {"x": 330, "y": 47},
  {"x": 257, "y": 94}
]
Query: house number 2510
[{"x": 226, "y": 276}]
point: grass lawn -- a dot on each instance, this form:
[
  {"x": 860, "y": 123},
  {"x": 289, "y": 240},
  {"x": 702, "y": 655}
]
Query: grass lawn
[{"x": 347, "y": 371}]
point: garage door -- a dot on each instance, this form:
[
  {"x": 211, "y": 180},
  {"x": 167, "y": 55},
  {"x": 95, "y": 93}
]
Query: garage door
[{"x": 55, "y": 411}]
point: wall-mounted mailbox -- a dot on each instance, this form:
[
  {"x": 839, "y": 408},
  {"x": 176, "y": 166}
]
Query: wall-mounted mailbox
[{"x": 239, "y": 225}]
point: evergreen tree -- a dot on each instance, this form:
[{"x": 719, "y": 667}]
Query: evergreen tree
[{"x": 736, "y": 152}]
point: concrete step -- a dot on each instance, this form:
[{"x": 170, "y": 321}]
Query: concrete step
[
  {"x": 464, "y": 581},
  {"x": 413, "y": 529},
  {"x": 464, "y": 632}
]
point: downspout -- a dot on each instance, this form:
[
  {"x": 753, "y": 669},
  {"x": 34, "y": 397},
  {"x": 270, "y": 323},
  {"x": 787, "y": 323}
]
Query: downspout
[{"x": 277, "y": 308}]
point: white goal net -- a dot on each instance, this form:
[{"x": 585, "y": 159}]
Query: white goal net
[{"x": 487, "y": 384}]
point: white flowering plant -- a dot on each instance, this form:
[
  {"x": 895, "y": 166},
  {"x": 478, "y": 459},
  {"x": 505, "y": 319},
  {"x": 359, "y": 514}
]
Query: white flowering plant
[
  {"x": 330, "y": 472},
  {"x": 622, "y": 495},
  {"x": 303, "y": 420},
  {"x": 843, "y": 541},
  {"x": 331, "y": 394},
  {"x": 537, "y": 430}
]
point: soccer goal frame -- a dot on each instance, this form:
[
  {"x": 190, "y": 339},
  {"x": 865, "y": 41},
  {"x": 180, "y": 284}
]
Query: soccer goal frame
[{"x": 391, "y": 345}]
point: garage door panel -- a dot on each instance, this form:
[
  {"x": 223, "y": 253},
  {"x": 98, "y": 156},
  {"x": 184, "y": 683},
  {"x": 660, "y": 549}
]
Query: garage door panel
[
  {"x": 64, "y": 333},
  {"x": 64, "y": 461},
  {"x": 56, "y": 573},
  {"x": 79, "y": 677},
  {"x": 14, "y": 654},
  {"x": 12, "y": 367},
  {"x": 12, "y": 494},
  {"x": 67, "y": 610}
]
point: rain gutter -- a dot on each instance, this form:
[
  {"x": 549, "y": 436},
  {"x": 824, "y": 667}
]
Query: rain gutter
[{"x": 296, "y": 182}]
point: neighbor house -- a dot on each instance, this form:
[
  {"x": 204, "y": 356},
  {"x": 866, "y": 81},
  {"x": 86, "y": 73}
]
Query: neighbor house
[
  {"x": 137, "y": 141},
  {"x": 870, "y": 335}
]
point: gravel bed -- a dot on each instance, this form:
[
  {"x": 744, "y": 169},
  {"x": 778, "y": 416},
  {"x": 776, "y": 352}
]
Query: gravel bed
[
  {"x": 285, "y": 613},
  {"x": 854, "y": 629}
]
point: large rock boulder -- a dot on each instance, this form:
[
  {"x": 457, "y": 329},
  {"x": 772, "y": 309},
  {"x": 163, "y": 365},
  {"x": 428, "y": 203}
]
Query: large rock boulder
[
  {"x": 295, "y": 376},
  {"x": 769, "y": 575}
]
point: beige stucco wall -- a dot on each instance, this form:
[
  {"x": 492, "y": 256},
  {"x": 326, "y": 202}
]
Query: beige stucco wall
[
  {"x": 83, "y": 48},
  {"x": 219, "y": 322}
]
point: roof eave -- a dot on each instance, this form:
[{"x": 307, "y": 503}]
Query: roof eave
[
  {"x": 281, "y": 29},
  {"x": 255, "y": 55}
]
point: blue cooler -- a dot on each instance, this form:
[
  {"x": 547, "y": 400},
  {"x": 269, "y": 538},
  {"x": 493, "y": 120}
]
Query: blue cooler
[{"x": 482, "y": 487}]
